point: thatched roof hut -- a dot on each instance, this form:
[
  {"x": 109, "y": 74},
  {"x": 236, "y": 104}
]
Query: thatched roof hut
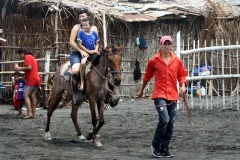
[{"x": 37, "y": 25}]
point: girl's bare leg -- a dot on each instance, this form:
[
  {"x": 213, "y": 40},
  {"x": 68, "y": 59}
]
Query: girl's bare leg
[{"x": 82, "y": 73}]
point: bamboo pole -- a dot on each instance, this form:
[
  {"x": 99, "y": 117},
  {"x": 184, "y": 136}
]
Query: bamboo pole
[
  {"x": 211, "y": 82},
  {"x": 178, "y": 55},
  {"x": 11, "y": 72},
  {"x": 21, "y": 61},
  {"x": 223, "y": 81},
  {"x": 193, "y": 64},
  {"x": 205, "y": 61},
  {"x": 4, "y": 9},
  {"x": 198, "y": 87},
  {"x": 210, "y": 49},
  {"x": 237, "y": 80},
  {"x": 56, "y": 29},
  {"x": 104, "y": 30},
  {"x": 47, "y": 68},
  {"x": 237, "y": 108},
  {"x": 230, "y": 65},
  {"x": 213, "y": 77}
]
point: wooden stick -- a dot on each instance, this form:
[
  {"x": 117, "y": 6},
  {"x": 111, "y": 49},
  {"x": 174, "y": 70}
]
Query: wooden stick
[{"x": 188, "y": 109}]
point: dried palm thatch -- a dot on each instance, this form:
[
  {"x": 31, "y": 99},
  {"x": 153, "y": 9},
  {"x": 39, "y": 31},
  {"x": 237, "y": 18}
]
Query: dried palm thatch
[{"x": 218, "y": 26}]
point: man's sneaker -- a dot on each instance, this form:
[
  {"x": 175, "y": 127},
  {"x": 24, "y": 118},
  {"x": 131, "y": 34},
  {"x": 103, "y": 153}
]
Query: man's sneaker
[
  {"x": 156, "y": 151},
  {"x": 165, "y": 152}
]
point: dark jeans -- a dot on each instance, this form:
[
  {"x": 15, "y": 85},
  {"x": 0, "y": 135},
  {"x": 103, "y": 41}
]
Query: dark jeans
[{"x": 167, "y": 113}]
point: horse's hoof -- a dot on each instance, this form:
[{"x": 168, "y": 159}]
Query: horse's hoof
[
  {"x": 47, "y": 136},
  {"x": 82, "y": 138},
  {"x": 97, "y": 143},
  {"x": 89, "y": 136}
]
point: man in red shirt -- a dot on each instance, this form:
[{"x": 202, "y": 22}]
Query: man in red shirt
[
  {"x": 30, "y": 67},
  {"x": 167, "y": 70}
]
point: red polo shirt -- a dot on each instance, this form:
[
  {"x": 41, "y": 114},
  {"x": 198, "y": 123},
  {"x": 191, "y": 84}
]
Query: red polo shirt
[
  {"x": 31, "y": 76},
  {"x": 166, "y": 76}
]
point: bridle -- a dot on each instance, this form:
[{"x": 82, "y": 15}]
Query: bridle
[
  {"x": 110, "y": 74},
  {"x": 116, "y": 72}
]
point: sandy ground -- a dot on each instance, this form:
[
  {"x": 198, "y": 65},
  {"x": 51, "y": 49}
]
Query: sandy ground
[{"x": 126, "y": 135}]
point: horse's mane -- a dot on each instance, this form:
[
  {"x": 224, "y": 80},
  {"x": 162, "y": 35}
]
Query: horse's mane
[{"x": 94, "y": 59}]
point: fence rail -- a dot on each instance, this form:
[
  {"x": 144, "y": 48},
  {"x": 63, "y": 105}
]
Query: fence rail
[{"x": 219, "y": 74}]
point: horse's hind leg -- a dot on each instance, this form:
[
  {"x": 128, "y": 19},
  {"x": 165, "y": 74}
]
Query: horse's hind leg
[
  {"x": 75, "y": 122},
  {"x": 54, "y": 101}
]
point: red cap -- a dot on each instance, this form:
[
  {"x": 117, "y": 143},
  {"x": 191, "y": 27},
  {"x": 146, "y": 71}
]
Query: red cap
[{"x": 165, "y": 38}]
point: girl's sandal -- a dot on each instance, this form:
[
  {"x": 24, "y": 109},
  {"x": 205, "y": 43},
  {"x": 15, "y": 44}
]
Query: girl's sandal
[
  {"x": 28, "y": 117},
  {"x": 20, "y": 115}
]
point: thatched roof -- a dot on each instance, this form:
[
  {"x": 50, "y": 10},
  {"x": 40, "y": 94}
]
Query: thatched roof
[
  {"x": 124, "y": 10},
  {"x": 230, "y": 8},
  {"x": 129, "y": 11}
]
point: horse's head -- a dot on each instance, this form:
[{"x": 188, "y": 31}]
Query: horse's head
[{"x": 114, "y": 61}]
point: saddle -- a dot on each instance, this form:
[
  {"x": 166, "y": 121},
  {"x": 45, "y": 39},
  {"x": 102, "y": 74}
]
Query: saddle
[{"x": 66, "y": 70}]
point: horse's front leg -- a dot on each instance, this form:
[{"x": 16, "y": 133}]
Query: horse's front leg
[
  {"x": 97, "y": 124},
  {"x": 100, "y": 106},
  {"x": 75, "y": 122},
  {"x": 92, "y": 134}
]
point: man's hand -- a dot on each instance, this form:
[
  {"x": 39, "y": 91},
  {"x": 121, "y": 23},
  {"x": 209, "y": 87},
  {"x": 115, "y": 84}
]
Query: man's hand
[
  {"x": 182, "y": 89},
  {"x": 139, "y": 93}
]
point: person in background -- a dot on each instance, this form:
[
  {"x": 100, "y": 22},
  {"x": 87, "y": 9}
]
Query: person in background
[
  {"x": 88, "y": 42},
  {"x": 18, "y": 85},
  {"x": 30, "y": 67},
  {"x": 167, "y": 69}
]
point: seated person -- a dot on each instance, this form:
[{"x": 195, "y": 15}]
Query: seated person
[{"x": 89, "y": 43}]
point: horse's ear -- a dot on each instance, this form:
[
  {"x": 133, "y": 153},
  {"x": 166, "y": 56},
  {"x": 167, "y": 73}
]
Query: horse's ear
[{"x": 107, "y": 49}]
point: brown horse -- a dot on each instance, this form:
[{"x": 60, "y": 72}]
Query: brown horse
[{"x": 96, "y": 88}]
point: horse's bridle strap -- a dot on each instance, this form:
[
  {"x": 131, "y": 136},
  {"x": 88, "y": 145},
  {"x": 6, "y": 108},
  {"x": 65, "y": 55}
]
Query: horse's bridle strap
[{"x": 116, "y": 72}]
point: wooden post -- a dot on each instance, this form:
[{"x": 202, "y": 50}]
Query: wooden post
[
  {"x": 56, "y": 29},
  {"x": 237, "y": 107},
  {"x": 46, "y": 76},
  {"x": 104, "y": 29},
  {"x": 4, "y": 9},
  {"x": 178, "y": 55},
  {"x": 223, "y": 81}
]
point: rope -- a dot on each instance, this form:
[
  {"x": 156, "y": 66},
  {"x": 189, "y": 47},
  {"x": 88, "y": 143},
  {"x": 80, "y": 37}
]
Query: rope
[
  {"x": 185, "y": 103},
  {"x": 101, "y": 74},
  {"x": 166, "y": 104}
]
